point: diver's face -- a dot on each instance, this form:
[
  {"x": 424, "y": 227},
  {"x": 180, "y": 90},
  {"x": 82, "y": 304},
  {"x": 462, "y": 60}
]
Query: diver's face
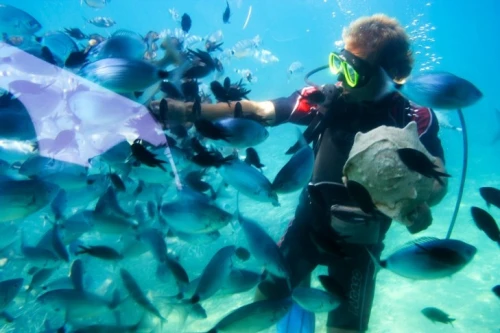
[{"x": 375, "y": 89}]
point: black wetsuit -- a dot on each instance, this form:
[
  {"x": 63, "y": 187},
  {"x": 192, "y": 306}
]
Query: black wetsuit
[{"x": 351, "y": 265}]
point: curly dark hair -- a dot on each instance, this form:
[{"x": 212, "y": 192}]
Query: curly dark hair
[{"x": 381, "y": 40}]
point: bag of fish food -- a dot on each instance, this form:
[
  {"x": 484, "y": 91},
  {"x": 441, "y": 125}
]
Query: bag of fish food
[{"x": 375, "y": 164}]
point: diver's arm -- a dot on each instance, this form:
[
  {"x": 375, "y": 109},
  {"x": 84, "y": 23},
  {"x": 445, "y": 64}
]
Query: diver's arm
[{"x": 183, "y": 111}]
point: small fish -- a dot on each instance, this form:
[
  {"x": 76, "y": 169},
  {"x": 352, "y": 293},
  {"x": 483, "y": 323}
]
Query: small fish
[
  {"x": 101, "y": 22},
  {"x": 138, "y": 295},
  {"x": 170, "y": 90},
  {"x": 294, "y": 69},
  {"x": 254, "y": 317},
  {"x": 214, "y": 274},
  {"x": 242, "y": 253},
  {"x": 101, "y": 251},
  {"x": 315, "y": 300},
  {"x": 75, "y": 33},
  {"x": 429, "y": 258},
  {"x": 39, "y": 278},
  {"x": 496, "y": 290},
  {"x": 117, "y": 182},
  {"x": 186, "y": 22},
  {"x": 248, "y": 181},
  {"x": 435, "y": 314},
  {"x": 95, "y": 3},
  {"x": 297, "y": 172},
  {"x": 252, "y": 158},
  {"x": 143, "y": 155},
  {"x": 417, "y": 161},
  {"x": 485, "y": 222},
  {"x": 227, "y": 13},
  {"x": 491, "y": 195},
  {"x": 440, "y": 90},
  {"x": 57, "y": 243},
  {"x": 361, "y": 195}
]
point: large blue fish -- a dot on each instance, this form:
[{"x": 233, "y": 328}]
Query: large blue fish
[
  {"x": 60, "y": 44},
  {"x": 123, "y": 44},
  {"x": 429, "y": 258},
  {"x": 123, "y": 75},
  {"x": 438, "y": 90},
  {"x": 441, "y": 90},
  {"x": 14, "y": 21},
  {"x": 242, "y": 133}
]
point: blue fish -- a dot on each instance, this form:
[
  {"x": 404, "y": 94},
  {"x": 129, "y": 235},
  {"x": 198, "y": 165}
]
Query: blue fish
[
  {"x": 123, "y": 44},
  {"x": 14, "y": 21},
  {"x": 123, "y": 75}
]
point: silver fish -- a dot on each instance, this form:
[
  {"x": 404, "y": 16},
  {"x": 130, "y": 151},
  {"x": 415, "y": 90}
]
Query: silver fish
[
  {"x": 14, "y": 21},
  {"x": 9, "y": 290},
  {"x": 39, "y": 278},
  {"x": 243, "y": 133},
  {"x": 195, "y": 216},
  {"x": 76, "y": 303},
  {"x": 296, "y": 173},
  {"x": 429, "y": 258},
  {"x": 123, "y": 75},
  {"x": 248, "y": 181},
  {"x": 21, "y": 198},
  {"x": 102, "y": 22},
  {"x": 96, "y": 3},
  {"x": 315, "y": 300},
  {"x": 263, "y": 247},
  {"x": 137, "y": 294},
  {"x": 214, "y": 274},
  {"x": 254, "y": 317}
]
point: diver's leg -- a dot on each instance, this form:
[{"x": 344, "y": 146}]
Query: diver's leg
[{"x": 356, "y": 274}]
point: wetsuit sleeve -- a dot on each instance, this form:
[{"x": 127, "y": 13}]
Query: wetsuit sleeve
[
  {"x": 428, "y": 129},
  {"x": 295, "y": 108}
]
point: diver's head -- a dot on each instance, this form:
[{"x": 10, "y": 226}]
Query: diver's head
[{"x": 376, "y": 48}]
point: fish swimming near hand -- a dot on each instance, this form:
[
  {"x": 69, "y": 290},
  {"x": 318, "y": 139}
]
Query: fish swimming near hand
[{"x": 123, "y": 75}]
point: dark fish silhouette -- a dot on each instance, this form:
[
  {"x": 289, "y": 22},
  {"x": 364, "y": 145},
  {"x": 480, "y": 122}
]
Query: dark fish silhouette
[
  {"x": 253, "y": 158},
  {"x": 145, "y": 156},
  {"x": 76, "y": 59},
  {"x": 227, "y": 13},
  {"x": 486, "y": 223},
  {"x": 242, "y": 253},
  {"x": 186, "y": 22},
  {"x": 496, "y": 290},
  {"x": 75, "y": 33},
  {"x": 361, "y": 196},
  {"x": 332, "y": 286},
  {"x": 190, "y": 90},
  {"x": 491, "y": 195},
  {"x": 117, "y": 182},
  {"x": 435, "y": 314},
  {"x": 238, "y": 110},
  {"x": 170, "y": 90},
  {"x": 210, "y": 130},
  {"x": 419, "y": 162}
]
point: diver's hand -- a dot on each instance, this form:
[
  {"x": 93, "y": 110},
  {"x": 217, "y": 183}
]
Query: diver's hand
[
  {"x": 419, "y": 219},
  {"x": 177, "y": 111}
]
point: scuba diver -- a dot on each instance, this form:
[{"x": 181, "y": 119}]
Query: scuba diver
[{"x": 356, "y": 103}]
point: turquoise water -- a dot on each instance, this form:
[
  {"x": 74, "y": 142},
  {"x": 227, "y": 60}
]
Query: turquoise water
[{"x": 459, "y": 37}]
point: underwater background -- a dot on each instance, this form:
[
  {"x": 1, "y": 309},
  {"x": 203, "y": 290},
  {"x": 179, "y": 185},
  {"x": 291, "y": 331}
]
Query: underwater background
[{"x": 461, "y": 37}]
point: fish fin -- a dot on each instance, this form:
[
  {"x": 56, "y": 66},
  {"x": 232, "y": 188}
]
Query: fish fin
[
  {"x": 379, "y": 264},
  {"x": 7, "y": 316},
  {"x": 138, "y": 94},
  {"x": 420, "y": 241},
  {"x": 297, "y": 320}
]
